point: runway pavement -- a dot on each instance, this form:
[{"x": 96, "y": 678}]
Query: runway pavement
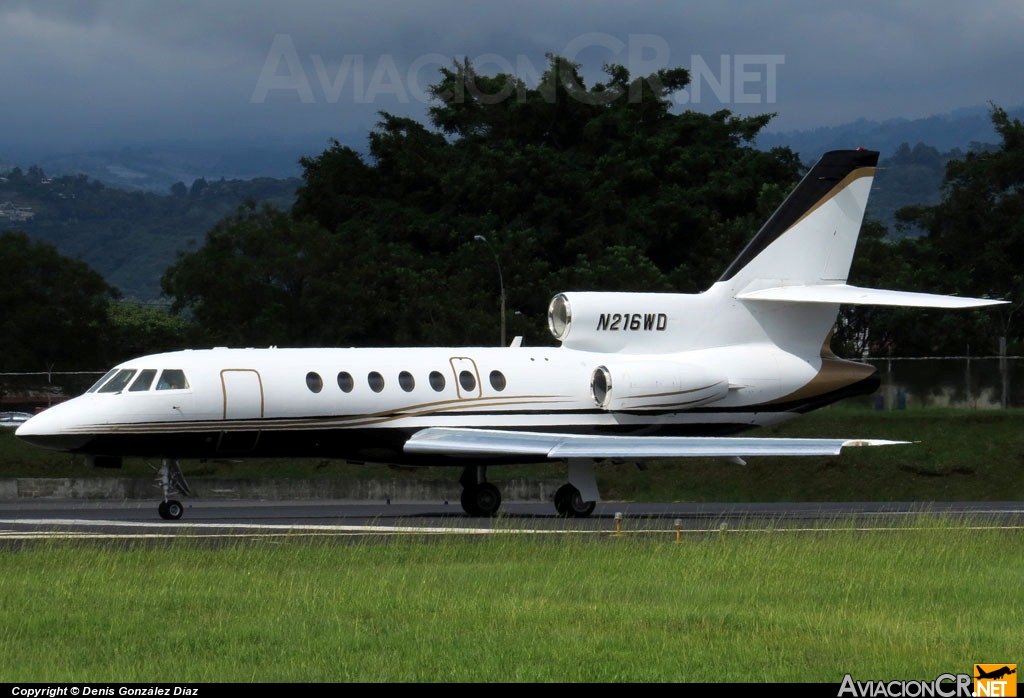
[{"x": 74, "y": 518}]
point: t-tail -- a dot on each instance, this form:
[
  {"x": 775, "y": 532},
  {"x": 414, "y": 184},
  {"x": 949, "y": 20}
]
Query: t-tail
[
  {"x": 778, "y": 301},
  {"x": 792, "y": 276},
  {"x": 784, "y": 288}
]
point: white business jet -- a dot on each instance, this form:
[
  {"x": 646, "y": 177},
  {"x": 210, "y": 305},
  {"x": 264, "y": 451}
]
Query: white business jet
[{"x": 637, "y": 376}]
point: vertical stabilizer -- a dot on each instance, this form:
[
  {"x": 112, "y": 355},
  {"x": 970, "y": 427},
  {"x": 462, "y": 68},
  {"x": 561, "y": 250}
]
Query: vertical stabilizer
[
  {"x": 811, "y": 237},
  {"x": 808, "y": 241}
]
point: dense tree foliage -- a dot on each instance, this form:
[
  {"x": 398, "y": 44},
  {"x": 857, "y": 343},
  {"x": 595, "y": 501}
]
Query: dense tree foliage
[
  {"x": 573, "y": 187},
  {"x": 54, "y": 309},
  {"x": 137, "y": 329},
  {"x": 973, "y": 246}
]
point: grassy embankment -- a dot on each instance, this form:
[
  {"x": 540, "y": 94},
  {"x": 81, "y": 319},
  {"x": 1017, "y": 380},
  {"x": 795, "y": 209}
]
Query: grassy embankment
[
  {"x": 931, "y": 597},
  {"x": 960, "y": 455}
]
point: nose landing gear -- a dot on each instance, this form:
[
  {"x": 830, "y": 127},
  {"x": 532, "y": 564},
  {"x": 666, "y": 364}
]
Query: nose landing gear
[{"x": 171, "y": 480}]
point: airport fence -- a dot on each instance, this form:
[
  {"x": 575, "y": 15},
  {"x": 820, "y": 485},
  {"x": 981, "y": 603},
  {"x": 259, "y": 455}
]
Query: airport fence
[{"x": 970, "y": 382}]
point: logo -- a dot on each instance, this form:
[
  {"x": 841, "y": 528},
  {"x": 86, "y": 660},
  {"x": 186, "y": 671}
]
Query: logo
[
  {"x": 990, "y": 681},
  {"x": 995, "y": 680}
]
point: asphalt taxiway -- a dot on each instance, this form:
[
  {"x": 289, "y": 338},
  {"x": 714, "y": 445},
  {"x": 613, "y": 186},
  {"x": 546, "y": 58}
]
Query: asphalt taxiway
[{"x": 74, "y": 518}]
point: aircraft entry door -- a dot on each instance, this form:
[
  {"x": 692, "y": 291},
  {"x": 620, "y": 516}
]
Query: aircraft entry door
[
  {"x": 243, "y": 400},
  {"x": 467, "y": 378}
]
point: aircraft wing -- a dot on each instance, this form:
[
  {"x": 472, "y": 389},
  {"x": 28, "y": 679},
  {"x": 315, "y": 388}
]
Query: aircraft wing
[
  {"x": 495, "y": 442},
  {"x": 856, "y": 295}
]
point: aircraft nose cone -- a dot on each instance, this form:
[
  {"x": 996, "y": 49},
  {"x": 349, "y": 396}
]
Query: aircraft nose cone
[{"x": 44, "y": 431}]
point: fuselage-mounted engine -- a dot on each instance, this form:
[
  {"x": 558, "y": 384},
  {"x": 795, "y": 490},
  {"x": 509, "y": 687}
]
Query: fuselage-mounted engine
[{"x": 655, "y": 385}]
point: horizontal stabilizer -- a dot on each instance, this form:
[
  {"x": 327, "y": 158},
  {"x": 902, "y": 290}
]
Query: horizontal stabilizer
[
  {"x": 496, "y": 442},
  {"x": 854, "y": 295}
]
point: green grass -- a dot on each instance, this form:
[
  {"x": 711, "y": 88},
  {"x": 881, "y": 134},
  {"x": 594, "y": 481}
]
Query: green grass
[
  {"x": 931, "y": 597},
  {"x": 959, "y": 455}
]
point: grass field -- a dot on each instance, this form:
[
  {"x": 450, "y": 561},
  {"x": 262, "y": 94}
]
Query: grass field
[{"x": 931, "y": 597}]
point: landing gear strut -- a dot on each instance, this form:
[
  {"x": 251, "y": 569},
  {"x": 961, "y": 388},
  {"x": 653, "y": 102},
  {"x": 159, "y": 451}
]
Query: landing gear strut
[
  {"x": 479, "y": 497},
  {"x": 171, "y": 480}
]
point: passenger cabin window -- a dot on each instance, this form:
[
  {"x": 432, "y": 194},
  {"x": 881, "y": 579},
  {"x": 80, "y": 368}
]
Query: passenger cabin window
[
  {"x": 498, "y": 380},
  {"x": 437, "y": 380},
  {"x": 376, "y": 381},
  {"x": 406, "y": 380},
  {"x": 119, "y": 381},
  {"x": 172, "y": 379},
  {"x": 345, "y": 382},
  {"x": 314, "y": 382},
  {"x": 467, "y": 380},
  {"x": 144, "y": 381}
]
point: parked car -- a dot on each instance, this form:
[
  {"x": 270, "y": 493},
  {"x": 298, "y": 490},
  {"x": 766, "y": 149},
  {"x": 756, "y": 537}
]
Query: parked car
[{"x": 13, "y": 419}]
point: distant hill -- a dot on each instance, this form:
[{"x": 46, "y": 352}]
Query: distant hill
[
  {"x": 914, "y": 153},
  {"x": 158, "y": 165},
  {"x": 944, "y": 132},
  {"x": 130, "y": 237}
]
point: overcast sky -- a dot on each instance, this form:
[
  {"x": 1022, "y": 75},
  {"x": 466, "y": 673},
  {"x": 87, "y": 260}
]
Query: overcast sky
[{"x": 102, "y": 72}]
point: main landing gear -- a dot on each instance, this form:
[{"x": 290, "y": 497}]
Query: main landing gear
[
  {"x": 171, "y": 480},
  {"x": 569, "y": 502},
  {"x": 479, "y": 497},
  {"x": 577, "y": 498}
]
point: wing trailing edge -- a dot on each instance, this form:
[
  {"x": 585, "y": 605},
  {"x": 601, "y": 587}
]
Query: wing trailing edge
[
  {"x": 491, "y": 442},
  {"x": 855, "y": 295}
]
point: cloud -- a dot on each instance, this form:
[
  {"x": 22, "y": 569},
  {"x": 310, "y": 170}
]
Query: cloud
[{"x": 109, "y": 70}]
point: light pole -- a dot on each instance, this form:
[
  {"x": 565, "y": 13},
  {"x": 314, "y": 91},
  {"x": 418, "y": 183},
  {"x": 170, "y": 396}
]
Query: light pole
[{"x": 501, "y": 283}]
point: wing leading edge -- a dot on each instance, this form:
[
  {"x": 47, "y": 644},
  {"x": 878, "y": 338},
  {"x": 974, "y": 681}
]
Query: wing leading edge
[{"x": 495, "y": 442}]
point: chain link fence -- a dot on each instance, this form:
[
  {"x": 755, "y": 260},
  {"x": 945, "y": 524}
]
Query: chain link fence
[{"x": 968, "y": 382}]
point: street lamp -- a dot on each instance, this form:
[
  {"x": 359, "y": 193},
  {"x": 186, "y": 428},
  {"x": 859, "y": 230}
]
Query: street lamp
[{"x": 501, "y": 283}]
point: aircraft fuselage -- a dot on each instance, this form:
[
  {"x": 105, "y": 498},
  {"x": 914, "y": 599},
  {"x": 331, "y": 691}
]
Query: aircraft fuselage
[{"x": 363, "y": 404}]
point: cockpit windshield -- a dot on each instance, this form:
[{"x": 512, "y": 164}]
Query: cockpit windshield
[
  {"x": 144, "y": 381},
  {"x": 118, "y": 380},
  {"x": 101, "y": 381}
]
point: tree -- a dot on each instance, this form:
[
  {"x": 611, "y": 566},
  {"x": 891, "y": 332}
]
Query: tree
[
  {"x": 55, "y": 309},
  {"x": 977, "y": 235},
  {"x": 137, "y": 329},
  {"x": 604, "y": 186},
  {"x": 260, "y": 279}
]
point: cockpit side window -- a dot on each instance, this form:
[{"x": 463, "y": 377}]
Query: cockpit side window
[
  {"x": 144, "y": 381},
  {"x": 172, "y": 379},
  {"x": 119, "y": 381},
  {"x": 101, "y": 381}
]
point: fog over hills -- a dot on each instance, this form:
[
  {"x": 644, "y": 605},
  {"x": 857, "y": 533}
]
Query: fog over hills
[
  {"x": 158, "y": 164},
  {"x": 944, "y": 132}
]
